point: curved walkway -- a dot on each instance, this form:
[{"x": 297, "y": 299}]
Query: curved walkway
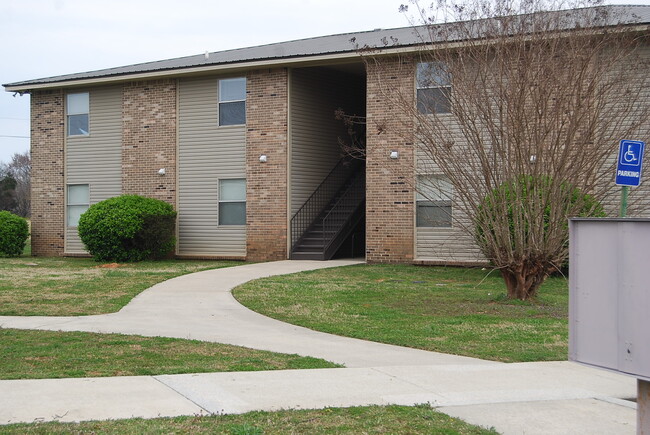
[
  {"x": 544, "y": 398},
  {"x": 200, "y": 306}
]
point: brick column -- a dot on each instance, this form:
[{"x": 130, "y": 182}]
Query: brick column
[
  {"x": 149, "y": 139},
  {"x": 389, "y": 195},
  {"x": 48, "y": 182},
  {"x": 266, "y": 183}
]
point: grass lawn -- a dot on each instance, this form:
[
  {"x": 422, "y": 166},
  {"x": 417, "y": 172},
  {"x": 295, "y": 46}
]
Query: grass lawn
[
  {"x": 362, "y": 420},
  {"x": 49, "y": 354},
  {"x": 54, "y": 286},
  {"x": 452, "y": 310},
  {"x": 77, "y": 286}
]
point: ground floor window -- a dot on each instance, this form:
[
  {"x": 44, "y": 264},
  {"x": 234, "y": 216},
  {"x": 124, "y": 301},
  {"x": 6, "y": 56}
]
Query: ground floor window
[
  {"x": 434, "y": 194},
  {"x": 232, "y": 201},
  {"x": 78, "y": 202}
]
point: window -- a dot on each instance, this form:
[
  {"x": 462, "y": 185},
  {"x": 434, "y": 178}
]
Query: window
[
  {"x": 78, "y": 107},
  {"x": 434, "y": 201},
  {"x": 433, "y": 88},
  {"x": 78, "y": 202},
  {"x": 232, "y": 202},
  {"x": 232, "y": 101}
]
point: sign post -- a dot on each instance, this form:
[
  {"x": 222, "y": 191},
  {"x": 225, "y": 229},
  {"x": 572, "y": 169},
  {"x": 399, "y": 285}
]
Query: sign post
[{"x": 628, "y": 168}]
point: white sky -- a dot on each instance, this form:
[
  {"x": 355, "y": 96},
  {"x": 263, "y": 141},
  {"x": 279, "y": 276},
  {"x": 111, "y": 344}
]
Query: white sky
[{"x": 42, "y": 38}]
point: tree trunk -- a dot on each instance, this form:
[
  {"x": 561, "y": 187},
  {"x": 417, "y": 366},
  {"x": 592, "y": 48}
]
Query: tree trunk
[{"x": 523, "y": 281}]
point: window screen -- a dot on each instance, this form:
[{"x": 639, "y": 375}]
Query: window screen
[
  {"x": 232, "y": 101},
  {"x": 433, "y": 88},
  {"x": 232, "y": 201},
  {"x": 78, "y": 108},
  {"x": 434, "y": 202},
  {"x": 78, "y": 202}
]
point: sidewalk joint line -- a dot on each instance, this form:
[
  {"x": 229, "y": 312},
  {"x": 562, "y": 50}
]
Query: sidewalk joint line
[{"x": 180, "y": 394}]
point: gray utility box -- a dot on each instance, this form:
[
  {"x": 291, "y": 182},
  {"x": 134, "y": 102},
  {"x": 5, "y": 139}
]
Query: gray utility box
[{"x": 609, "y": 296}]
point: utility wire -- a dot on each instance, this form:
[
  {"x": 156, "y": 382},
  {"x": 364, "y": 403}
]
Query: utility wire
[{"x": 19, "y": 137}]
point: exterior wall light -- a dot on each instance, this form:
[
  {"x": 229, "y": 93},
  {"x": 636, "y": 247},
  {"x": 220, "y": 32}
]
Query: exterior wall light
[
  {"x": 533, "y": 158},
  {"x": 263, "y": 158},
  {"x": 161, "y": 171},
  {"x": 394, "y": 154}
]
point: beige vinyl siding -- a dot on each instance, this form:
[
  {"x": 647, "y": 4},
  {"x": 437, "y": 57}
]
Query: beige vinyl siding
[
  {"x": 206, "y": 153},
  {"x": 96, "y": 159},
  {"x": 446, "y": 245},
  {"x": 316, "y": 93},
  {"x": 453, "y": 244}
]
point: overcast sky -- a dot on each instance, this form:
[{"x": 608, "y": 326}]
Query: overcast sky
[{"x": 43, "y": 38}]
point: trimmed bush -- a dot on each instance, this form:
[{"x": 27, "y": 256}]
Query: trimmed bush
[
  {"x": 128, "y": 228},
  {"x": 14, "y": 231}
]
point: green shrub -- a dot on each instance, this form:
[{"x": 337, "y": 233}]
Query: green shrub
[
  {"x": 128, "y": 228},
  {"x": 13, "y": 234},
  {"x": 507, "y": 205}
]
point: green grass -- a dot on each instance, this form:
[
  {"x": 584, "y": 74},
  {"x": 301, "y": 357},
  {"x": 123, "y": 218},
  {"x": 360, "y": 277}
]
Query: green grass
[
  {"x": 48, "y": 354},
  {"x": 452, "y": 310},
  {"x": 55, "y": 286},
  {"x": 358, "y": 420}
]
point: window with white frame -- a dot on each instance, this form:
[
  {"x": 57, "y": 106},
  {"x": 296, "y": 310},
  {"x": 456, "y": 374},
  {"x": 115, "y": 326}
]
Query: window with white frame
[
  {"x": 78, "y": 108},
  {"x": 433, "y": 88},
  {"x": 232, "y": 201},
  {"x": 232, "y": 101},
  {"x": 434, "y": 194},
  {"x": 78, "y": 202}
]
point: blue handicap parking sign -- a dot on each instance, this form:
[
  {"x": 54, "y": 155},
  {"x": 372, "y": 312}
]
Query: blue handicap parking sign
[{"x": 630, "y": 159}]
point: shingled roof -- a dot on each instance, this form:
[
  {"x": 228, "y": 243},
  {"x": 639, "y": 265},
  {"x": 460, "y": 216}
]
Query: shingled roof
[{"x": 342, "y": 45}]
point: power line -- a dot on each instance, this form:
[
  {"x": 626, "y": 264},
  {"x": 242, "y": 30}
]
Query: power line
[{"x": 18, "y": 137}]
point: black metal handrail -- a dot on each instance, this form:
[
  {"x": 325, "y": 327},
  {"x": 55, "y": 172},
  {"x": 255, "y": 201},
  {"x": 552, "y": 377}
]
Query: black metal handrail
[
  {"x": 322, "y": 196},
  {"x": 340, "y": 218}
]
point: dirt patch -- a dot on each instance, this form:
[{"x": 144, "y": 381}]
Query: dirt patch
[{"x": 110, "y": 266}]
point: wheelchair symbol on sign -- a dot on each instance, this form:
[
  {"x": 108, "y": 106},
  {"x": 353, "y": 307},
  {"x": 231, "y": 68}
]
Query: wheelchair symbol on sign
[{"x": 631, "y": 156}]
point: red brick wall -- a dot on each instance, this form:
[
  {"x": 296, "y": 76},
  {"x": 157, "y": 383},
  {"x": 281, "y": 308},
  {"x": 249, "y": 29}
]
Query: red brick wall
[
  {"x": 149, "y": 139},
  {"x": 390, "y": 197},
  {"x": 48, "y": 183},
  {"x": 266, "y": 183}
]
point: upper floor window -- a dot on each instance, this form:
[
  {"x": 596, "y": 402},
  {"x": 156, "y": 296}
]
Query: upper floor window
[
  {"x": 433, "y": 88},
  {"x": 78, "y": 108},
  {"x": 78, "y": 202},
  {"x": 232, "y": 101},
  {"x": 434, "y": 201}
]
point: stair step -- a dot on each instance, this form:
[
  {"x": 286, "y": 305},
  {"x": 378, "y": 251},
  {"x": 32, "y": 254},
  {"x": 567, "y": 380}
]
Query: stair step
[{"x": 307, "y": 256}]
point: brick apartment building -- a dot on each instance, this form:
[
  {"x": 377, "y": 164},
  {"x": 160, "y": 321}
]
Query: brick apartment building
[{"x": 241, "y": 142}]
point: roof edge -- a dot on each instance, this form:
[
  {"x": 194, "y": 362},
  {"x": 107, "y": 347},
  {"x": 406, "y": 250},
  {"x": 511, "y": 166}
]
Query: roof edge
[{"x": 295, "y": 52}]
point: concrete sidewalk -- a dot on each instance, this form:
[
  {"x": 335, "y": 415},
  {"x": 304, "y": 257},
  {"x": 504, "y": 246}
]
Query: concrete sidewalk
[
  {"x": 531, "y": 398},
  {"x": 548, "y": 398}
]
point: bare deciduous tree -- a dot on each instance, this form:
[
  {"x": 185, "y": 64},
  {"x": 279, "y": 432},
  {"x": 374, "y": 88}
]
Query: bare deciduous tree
[
  {"x": 19, "y": 170},
  {"x": 520, "y": 106}
]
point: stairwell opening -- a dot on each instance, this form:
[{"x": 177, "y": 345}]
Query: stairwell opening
[{"x": 327, "y": 184}]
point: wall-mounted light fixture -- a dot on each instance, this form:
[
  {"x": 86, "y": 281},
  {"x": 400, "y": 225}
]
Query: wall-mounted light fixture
[
  {"x": 161, "y": 171},
  {"x": 533, "y": 158},
  {"x": 394, "y": 154},
  {"x": 263, "y": 158}
]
